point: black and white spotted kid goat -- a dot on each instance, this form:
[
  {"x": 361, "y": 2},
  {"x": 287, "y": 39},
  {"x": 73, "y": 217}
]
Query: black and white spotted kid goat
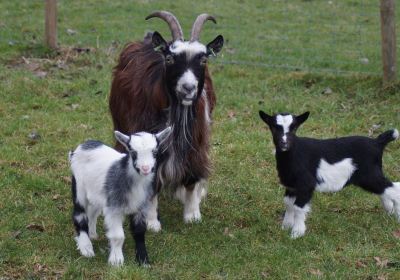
[
  {"x": 305, "y": 165},
  {"x": 115, "y": 184}
]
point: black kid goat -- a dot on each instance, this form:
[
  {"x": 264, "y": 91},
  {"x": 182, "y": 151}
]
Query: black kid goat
[{"x": 305, "y": 165}]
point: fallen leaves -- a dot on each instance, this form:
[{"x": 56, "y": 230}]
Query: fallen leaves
[
  {"x": 361, "y": 264},
  {"x": 309, "y": 82},
  {"x": 16, "y": 234},
  {"x": 37, "y": 267},
  {"x": 327, "y": 90},
  {"x": 74, "y": 106},
  {"x": 35, "y": 227},
  {"x": 40, "y": 74},
  {"x": 41, "y": 67},
  {"x": 382, "y": 277},
  {"x": 66, "y": 179},
  {"x": 71, "y": 32},
  {"x": 364, "y": 60},
  {"x": 381, "y": 263},
  {"x": 31, "y": 65},
  {"x": 83, "y": 50},
  {"x": 34, "y": 66},
  {"x": 228, "y": 233},
  {"x": 396, "y": 233},
  {"x": 316, "y": 272},
  {"x": 33, "y": 137},
  {"x": 231, "y": 114}
]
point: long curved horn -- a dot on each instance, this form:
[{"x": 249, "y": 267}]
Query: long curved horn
[
  {"x": 198, "y": 24},
  {"x": 176, "y": 30}
]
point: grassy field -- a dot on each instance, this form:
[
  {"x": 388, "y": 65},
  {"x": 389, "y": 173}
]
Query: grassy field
[{"x": 51, "y": 101}]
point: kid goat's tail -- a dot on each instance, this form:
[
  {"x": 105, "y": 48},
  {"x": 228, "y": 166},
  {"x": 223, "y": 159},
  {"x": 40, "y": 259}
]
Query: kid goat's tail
[{"x": 388, "y": 136}]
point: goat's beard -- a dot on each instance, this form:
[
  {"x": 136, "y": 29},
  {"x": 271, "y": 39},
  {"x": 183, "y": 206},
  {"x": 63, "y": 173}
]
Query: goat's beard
[
  {"x": 181, "y": 120},
  {"x": 179, "y": 143}
]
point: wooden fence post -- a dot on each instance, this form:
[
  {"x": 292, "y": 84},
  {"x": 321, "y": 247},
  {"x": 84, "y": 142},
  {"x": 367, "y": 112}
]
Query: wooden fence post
[
  {"x": 51, "y": 23},
  {"x": 388, "y": 33}
]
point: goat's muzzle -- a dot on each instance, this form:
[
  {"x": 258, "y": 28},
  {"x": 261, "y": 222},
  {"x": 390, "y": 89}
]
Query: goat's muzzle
[{"x": 187, "y": 96}]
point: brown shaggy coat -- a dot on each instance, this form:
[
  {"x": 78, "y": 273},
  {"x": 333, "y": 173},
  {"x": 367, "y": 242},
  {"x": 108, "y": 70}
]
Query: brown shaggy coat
[{"x": 139, "y": 102}]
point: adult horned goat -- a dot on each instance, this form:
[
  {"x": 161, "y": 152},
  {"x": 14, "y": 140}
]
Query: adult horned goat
[{"x": 158, "y": 84}]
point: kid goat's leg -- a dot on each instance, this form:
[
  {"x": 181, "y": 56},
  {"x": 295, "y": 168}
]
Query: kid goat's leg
[
  {"x": 288, "y": 219},
  {"x": 93, "y": 213},
  {"x": 138, "y": 230},
  {"x": 80, "y": 219},
  {"x": 300, "y": 208},
  {"x": 391, "y": 199},
  {"x": 116, "y": 236},
  {"x": 389, "y": 192}
]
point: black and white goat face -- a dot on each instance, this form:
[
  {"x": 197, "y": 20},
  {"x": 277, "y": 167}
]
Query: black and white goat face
[
  {"x": 283, "y": 128},
  {"x": 143, "y": 148},
  {"x": 185, "y": 63}
]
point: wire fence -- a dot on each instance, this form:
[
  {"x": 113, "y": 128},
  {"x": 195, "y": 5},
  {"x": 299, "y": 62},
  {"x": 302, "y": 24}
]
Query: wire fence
[
  {"x": 323, "y": 36},
  {"x": 334, "y": 36}
]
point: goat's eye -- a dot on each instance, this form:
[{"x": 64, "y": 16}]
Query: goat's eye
[
  {"x": 203, "y": 60},
  {"x": 278, "y": 127},
  {"x": 133, "y": 154},
  {"x": 169, "y": 59}
]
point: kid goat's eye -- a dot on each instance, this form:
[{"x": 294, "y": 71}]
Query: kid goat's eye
[
  {"x": 169, "y": 59},
  {"x": 133, "y": 154}
]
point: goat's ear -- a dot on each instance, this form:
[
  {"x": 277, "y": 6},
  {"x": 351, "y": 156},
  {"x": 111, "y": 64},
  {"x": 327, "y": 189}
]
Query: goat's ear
[
  {"x": 215, "y": 46},
  {"x": 158, "y": 42},
  {"x": 266, "y": 118},
  {"x": 122, "y": 138},
  {"x": 302, "y": 118},
  {"x": 163, "y": 134}
]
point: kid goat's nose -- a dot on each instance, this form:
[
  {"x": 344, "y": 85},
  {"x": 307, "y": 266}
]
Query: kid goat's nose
[{"x": 146, "y": 168}]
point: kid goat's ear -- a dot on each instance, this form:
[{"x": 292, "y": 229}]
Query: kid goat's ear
[
  {"x": 122, "y": 138},
  {"x": 302, "y": 118},
  {"x": 266, "y": 118},
  {"x": 158, "y": 42},
  {"x": 163, "y": 134},
  {"x": 215, "y": 46}
]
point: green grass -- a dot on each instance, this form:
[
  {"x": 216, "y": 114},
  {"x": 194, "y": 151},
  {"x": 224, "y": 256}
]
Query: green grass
[{"x": 240, "y": 235}]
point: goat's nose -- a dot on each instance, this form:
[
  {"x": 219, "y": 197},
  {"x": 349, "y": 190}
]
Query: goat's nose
[
  {"x": 188, "y": 87},
  {"x": 146, "y": 168}
]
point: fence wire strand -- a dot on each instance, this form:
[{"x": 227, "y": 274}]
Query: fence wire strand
[
  {"x": 327, "y": 36},
  {"x": 336, "y": 36}
]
